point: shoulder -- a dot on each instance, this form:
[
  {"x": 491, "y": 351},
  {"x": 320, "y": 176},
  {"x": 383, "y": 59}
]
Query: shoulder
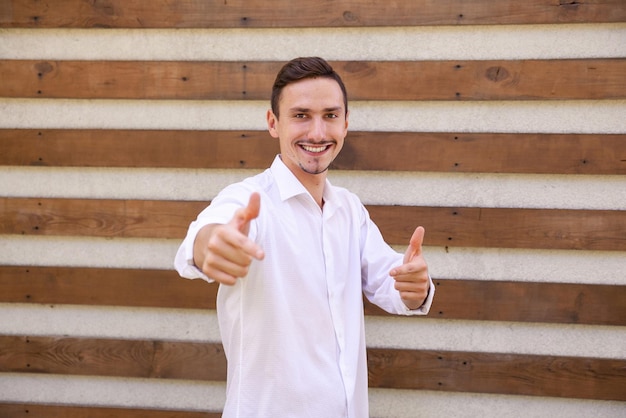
[
  {"x": 241, "y": 190},
  {"x": 349, "y": 200}
]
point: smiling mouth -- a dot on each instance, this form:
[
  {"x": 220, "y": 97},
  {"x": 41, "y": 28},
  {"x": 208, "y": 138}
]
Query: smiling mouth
[{"x": 315, "y": 149}]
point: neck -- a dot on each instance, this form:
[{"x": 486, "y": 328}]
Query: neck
[{"x": 314, "y": 184}]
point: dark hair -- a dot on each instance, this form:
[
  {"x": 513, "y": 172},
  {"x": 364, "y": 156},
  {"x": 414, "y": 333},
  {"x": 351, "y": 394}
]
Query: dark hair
[{"x": 300, "y": 69}]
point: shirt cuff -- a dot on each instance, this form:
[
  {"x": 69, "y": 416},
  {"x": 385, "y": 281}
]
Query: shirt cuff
[{"x": 425, "y": 308}]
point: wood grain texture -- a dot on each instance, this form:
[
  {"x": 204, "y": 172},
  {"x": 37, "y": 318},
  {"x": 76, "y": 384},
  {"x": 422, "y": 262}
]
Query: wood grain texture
[
  {"x": 325, "y": 13},
  {"x": 570, "y": 79},
  {"x": 371, "y": 151},
  {"x": 505, "y": 227},
  {"x": 445, "y": 226},
  {"x": 113, "y": 358},
  {"x": 566, "y": 303},
  {"x": 104, "y": 286},
  {"x": 535, "y": 375},
  {"x": 17, "y": 410},
  {"x": 531, "y": 375}
]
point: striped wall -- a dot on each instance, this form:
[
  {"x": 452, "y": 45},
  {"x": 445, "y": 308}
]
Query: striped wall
[{"x": 504, "y": 134}]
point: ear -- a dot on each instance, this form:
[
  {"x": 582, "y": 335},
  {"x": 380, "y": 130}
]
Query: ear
[
  {"x": 346, "y": 127},
  {"x": 272, "y": 120}
]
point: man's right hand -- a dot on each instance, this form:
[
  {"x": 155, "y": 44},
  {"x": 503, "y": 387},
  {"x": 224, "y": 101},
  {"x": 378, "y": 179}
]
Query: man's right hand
[{"x": 224, "y": 252}]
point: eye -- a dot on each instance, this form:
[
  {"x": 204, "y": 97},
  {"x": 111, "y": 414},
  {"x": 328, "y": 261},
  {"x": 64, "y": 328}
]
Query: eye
[
  {"x": 299, "y": 116},
  {"x": 332, "y": 116}
]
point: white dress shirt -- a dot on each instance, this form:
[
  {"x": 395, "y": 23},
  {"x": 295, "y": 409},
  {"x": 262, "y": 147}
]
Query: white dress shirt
[{"x": 293, "y": 328}]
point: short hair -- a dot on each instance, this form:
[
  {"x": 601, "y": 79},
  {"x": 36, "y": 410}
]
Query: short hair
[{"x": 300, "y": 69}]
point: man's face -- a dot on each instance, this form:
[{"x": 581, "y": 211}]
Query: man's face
[{"x": 312, "y": 127}]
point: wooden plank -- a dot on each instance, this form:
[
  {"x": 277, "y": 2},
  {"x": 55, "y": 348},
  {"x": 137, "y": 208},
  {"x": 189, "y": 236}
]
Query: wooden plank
[
  {"x": 113, "y": 358},
  {"x": 97, "y": 217},
  {"x": 104, "y": 286},
  {"x": 17, "y": 410},
  {"x": 535, "y": 375},
  {"x": 402, "y": 151},
  {"x": 505, "y": 227},
  {"x": 137, "y": 148},
  {"x": 531, "y": 375},
  {"x": 484, "y": 153},
  {"x": 445, "y": 226},
  {"x": 572, "y": 79},
  {"x": 567, "y": 303},
  {"x": 327, "y": 13}
]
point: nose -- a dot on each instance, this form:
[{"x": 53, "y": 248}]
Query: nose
[{"x": 317, "y": 130}]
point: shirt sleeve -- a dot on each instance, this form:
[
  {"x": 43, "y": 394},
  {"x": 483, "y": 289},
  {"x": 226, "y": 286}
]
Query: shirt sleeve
[
  {"x": 220, "y": 211},
  {"x": 377, "y": 259},
  {"x": 425, "y": 308},
  {"x": 183, "y": 262}
]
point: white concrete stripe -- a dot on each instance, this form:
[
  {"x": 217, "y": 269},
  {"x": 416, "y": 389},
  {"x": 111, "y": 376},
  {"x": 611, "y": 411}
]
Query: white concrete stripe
[
  {"x": 565, "y": 116},
  {"x": 95, "y": 391},
  {"x": 84, "y": 321},
  {"x": 395, "y": 43},
  {"x": 372, "y": 187},
  {"x": 210, "y": 396},
  {"x": 389, "y": 403},
  {"x": 426, "y": 333},
  {"x": 557, "y": 266},
  {"x": 423, "y": 333}
]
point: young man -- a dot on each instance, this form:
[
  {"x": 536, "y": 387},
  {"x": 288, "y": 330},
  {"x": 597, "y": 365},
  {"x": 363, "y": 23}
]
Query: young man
[{"x": 293, "y": 256}]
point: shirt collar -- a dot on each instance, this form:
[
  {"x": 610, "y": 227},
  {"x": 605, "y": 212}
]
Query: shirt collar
[{"x": 288, "y": 185}]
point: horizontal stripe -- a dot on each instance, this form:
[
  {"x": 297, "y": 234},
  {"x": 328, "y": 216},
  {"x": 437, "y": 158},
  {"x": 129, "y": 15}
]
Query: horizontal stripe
[
  {"x": 384, "y": 403},
  {"x": 457, "y": 80},
  {"x": 603, "y": 116},
  {"x": 458, "y": 226},
  {"x": 423, "y": 333},
  {"x": 558, "y": 266},
  {"x": 598, "y": 154},
  {"x": 585, "y": 378},
  {"x": 390, "y": 403},
  {"x": 436, "y": 43},
  {"x": 381, "y": 331},
  {"x": 112, "y": 391},
  {"x": 192, "y": 325},
  {"x": 131, "y": 14},
  {"x": 373, "y": 187},
  {"x": 566, "y": 303},
  {"x": 79, "y": 411}
]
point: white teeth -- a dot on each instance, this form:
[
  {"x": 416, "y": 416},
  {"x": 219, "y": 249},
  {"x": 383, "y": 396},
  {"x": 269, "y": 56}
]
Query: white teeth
[{"x": 313, "y": 149}]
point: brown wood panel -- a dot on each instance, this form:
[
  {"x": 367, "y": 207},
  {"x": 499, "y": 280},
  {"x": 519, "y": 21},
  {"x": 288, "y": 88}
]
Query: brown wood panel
[
  {"x": 384, "y": 151},
  {"x": 97, "y": 217},
  {"x": 535, "y": 375},
  {"x": 567, "y": 303},
  {"x": 138, "y": 148},
  {"x": 445, "y": 226},
  {"x": 16, "y": 410},
  {"x": 326, "y": 13},
  {"x": 588, "y": 79},
  {"x": 505, "y": 227},
  {"x": 104, "y": 286},
  {"x": 483, "y": 153},
  {"x": 110, "y": 357}
]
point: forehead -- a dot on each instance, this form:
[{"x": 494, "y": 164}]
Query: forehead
[{"x": 312, "y": 93}]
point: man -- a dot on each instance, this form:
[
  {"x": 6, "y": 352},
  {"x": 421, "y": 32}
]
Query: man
[{"x": 293, "y": 256}]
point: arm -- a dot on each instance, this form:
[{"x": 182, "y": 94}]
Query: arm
[{"x": 222, "y": 252}]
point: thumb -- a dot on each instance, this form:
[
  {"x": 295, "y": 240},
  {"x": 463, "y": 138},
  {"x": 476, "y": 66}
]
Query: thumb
[
  {"x": 415, "y": 244},
  {"x": 243, "y": 216}
]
